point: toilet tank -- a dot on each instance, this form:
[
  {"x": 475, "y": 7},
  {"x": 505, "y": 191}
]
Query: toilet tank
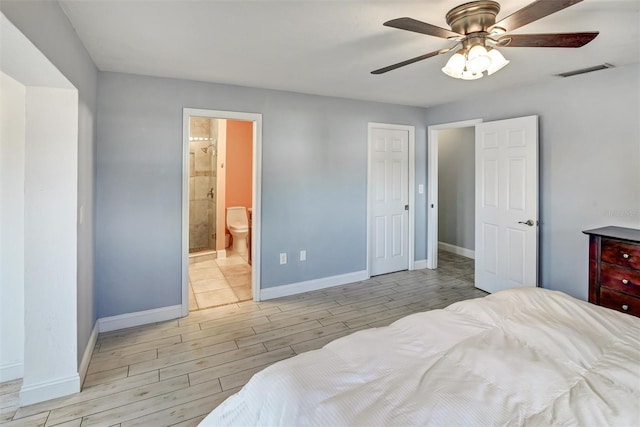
[{"x": 237, "y": 216}]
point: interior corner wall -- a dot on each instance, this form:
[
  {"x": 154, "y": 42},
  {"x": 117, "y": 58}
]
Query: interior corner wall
[
  {"x": 12, "y": 159},
  {"x": 456, "y": 187},
  {"x": 589, "y": 160},
  {"x": 50, "y": 241},
  {"x": 314, "y": 184},
  {"x": 49, "y": 29},
  {"x": 239, "y": 169}
]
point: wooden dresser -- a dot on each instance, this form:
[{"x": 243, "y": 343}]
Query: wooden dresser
[{"x": 614, "y": 268}]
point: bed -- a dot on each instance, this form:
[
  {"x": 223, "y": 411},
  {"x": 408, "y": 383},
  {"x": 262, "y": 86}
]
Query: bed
[{"x": 524, "y": 356}]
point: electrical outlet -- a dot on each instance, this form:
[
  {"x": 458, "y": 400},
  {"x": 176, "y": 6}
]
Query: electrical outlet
[
  {"x": 303, "y": 255},
  {"x": 283, "y": 258},
  {"x": 420, "y": 189}
]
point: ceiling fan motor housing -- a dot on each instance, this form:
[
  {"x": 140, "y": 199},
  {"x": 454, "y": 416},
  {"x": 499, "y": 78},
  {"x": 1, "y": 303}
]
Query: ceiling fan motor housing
[{"x": 473, "y": 17}]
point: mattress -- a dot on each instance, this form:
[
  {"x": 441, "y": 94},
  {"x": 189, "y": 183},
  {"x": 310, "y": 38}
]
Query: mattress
[{"x": 525, "y": 356}]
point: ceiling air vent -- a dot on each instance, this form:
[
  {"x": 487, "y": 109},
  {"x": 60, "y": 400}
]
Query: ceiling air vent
[{"x": 585, "y": 70}]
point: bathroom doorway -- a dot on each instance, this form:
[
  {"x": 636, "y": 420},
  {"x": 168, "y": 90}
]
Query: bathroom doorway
[{"x": 220, "y": 174}]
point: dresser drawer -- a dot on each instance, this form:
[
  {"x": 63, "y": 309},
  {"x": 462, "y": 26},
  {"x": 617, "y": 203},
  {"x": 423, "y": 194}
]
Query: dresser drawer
[
  {"x": 622, "y": 254},
  {"x": 620, "y": 279},
  {"x": 620, "y": 302}
]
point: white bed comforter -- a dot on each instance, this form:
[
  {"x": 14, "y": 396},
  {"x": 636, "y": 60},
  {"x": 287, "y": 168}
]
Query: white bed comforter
[{"x": 517, "y": 357}]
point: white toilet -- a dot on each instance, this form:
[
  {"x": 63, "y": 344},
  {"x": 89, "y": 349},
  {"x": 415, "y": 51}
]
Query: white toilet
[{"x": 238, "y": 227}]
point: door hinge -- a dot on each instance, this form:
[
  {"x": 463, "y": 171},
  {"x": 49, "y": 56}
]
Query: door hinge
[{"x": 406, "y": 207}]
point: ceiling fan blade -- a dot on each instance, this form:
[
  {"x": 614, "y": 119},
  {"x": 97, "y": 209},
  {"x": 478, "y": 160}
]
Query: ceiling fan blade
[
  {"x": 547, "y": 40},
  {"x": 416, "y": 26},
  {"x": 533, "y": 12},
  {"x": 410, "y": 61}
]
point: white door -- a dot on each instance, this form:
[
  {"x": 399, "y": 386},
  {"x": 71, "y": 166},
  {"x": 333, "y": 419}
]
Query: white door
[
  {"x": 389, "y": 157},
  {"x": 507, "y": 204}
]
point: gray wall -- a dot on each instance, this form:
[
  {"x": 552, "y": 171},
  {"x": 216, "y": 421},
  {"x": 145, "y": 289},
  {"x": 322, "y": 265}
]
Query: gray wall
[
  {"x": 589, "y": 160},
  {"x": 314, "y": 178},
  {"x": 456, "y": 187},
  {"x": 48, "y": 28}
]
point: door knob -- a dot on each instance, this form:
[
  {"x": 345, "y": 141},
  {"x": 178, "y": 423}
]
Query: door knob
[{"x": 528, "y": 222}]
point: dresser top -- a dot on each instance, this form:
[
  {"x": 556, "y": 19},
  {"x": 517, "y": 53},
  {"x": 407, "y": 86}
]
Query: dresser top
[{"x": 616, "y": 233}]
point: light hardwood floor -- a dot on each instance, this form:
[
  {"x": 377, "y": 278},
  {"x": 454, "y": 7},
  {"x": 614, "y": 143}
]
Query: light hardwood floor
[{"x": 174, "y": 373}]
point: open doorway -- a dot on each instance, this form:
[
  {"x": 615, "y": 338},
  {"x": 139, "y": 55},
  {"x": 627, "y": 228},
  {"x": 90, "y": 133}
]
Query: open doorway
[
  {"x": 221, "y": 193},
  {"x": 449, "y": 227},
  {"x": 506, "y": 201}
]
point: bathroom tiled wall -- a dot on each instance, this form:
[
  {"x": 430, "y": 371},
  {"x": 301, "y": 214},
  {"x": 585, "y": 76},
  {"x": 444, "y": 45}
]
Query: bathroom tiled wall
[{"x": 202, "y": 178}]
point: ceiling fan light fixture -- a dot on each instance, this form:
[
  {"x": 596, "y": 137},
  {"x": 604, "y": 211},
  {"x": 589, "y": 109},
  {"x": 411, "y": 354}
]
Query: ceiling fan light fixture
[
  {"x": 478, "y": 59},
  {"x": 455, "y": 65},
  {"x": 474, "y": 25},
  {"x": 498, "y": 61}
]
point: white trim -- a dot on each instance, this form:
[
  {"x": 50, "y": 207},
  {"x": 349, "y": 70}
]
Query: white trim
[
  {"x": 256, "y": 218},
  {"x": 313, "y": 285},
  {"x": 48, "y": 390},
  {"x": 221, "y": 184},
  {"x": 129, "y": 320},
  {"x": 469, "y": 253},
  {"x": 222, "y": 253},
  {"x": 412, "y": 196},
  {"x": 420, "y": 264},
  {"x": 411, "y": 188},
  {"x": 11, "y": 371},
  {"x": 432, "y": 186},
  {"x": 88, "y": 352}
]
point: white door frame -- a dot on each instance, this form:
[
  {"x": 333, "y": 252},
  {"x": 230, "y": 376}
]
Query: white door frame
[
  {"x": 432, "y": 186},
  {"x": 256, "y": 198},
  {"x": 412, "y": 172}
]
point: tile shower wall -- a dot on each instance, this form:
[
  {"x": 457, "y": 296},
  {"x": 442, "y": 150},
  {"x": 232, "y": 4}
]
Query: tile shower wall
[{"x": 203, "y": 139}]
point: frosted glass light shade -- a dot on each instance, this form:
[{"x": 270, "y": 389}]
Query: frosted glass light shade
[
  {"x": 497, "y": 61},
  {"x": 478, "y": 59},
  {"x": 468, "y": 75},
  {"x": 455, "y": 66}
]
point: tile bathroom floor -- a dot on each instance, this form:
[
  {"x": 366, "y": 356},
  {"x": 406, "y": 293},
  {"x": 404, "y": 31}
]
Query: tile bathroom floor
[{"x": 214, "y": 282}]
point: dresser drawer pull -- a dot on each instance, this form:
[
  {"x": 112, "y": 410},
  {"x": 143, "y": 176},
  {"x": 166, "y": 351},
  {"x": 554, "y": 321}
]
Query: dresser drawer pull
[
  {"x": 625, "y": 281},
  {"x": 625, "y": 256},
  {"x": 625, "y": 307}
]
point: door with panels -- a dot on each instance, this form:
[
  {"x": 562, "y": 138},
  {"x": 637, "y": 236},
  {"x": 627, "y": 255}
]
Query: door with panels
[
  {"x": 389, "y": 194},
  {"x": 507, "y": 204}
]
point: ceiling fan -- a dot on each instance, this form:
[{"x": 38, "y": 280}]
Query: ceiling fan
[{"x": 474, "y": 28}]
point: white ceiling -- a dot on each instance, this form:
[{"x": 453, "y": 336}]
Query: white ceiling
[{"x": 329, "y": 47}]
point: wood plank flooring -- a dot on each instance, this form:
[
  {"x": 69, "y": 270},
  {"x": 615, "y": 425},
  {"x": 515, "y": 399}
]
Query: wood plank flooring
[{"x": 176, "y": 372}]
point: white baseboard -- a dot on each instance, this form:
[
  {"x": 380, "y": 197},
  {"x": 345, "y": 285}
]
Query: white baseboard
[
  {"x": 222, "y": 253},
  {"x": 457, "y": 250},
  {"x": 420, "y": 264},
  {"x": 312, "y": 285},
  {"x": 11, "y": 371},
  {"x": 35, "y": 393},
  {"x": 88, "y": 352},
  {"x": 129, "y": 320}
]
